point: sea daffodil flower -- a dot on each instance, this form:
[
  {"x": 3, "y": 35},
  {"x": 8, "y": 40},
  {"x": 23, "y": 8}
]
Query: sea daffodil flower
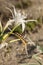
[{"x": 19, "y": 19}]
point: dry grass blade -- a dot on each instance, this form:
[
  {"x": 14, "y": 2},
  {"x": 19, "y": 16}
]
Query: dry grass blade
[
  {"x": 38, "y": 59},
  {"x": 14, "y": 40},
  {"x": 25, "y": 42}
]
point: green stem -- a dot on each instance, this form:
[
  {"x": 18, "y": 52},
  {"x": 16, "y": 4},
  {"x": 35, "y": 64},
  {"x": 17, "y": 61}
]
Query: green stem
[
  {"x": 9, "y": 33},
  {"x": 13, "y": 29}
]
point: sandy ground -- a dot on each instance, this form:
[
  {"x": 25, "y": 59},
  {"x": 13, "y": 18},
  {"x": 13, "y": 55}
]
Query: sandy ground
[{"x": 9, "y": 55}]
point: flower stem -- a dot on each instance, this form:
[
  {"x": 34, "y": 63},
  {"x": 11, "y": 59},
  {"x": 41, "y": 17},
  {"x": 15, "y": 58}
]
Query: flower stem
[
  {"x": 9, "y": 33},
  {"x": 13, "y": 29}
]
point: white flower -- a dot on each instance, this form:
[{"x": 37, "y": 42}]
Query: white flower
[
  {"x": 18, "y": 18},
  {"x": 3, "y": 44}
]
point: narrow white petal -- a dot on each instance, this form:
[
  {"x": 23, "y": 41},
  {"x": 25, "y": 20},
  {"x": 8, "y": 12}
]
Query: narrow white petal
[
  {"x": 31, "y": 20},
  {"x": 10, "y": 11},
  {"x": 15, "y": 11},
  {"x": 8, "y": 23},
  {"x": 23, "y": 27}
]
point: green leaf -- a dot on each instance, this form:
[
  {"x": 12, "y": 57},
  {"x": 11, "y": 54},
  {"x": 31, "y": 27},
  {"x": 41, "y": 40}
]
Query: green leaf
[
  {"x": 30, "y": 25},
  {"x": 1, "y": 37},
  {"x": 18, "y": 29}
]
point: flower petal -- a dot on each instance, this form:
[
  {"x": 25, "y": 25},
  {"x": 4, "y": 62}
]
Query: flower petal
[
  {"x": 31, "y": 20},
  {"x": 8, "y": 23},
  {"x": 23, "y": 27},
  {"x": 10, "y": 11},
  {"x": 15, "y": 11},
  {"x": 3, "y": 45}
]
